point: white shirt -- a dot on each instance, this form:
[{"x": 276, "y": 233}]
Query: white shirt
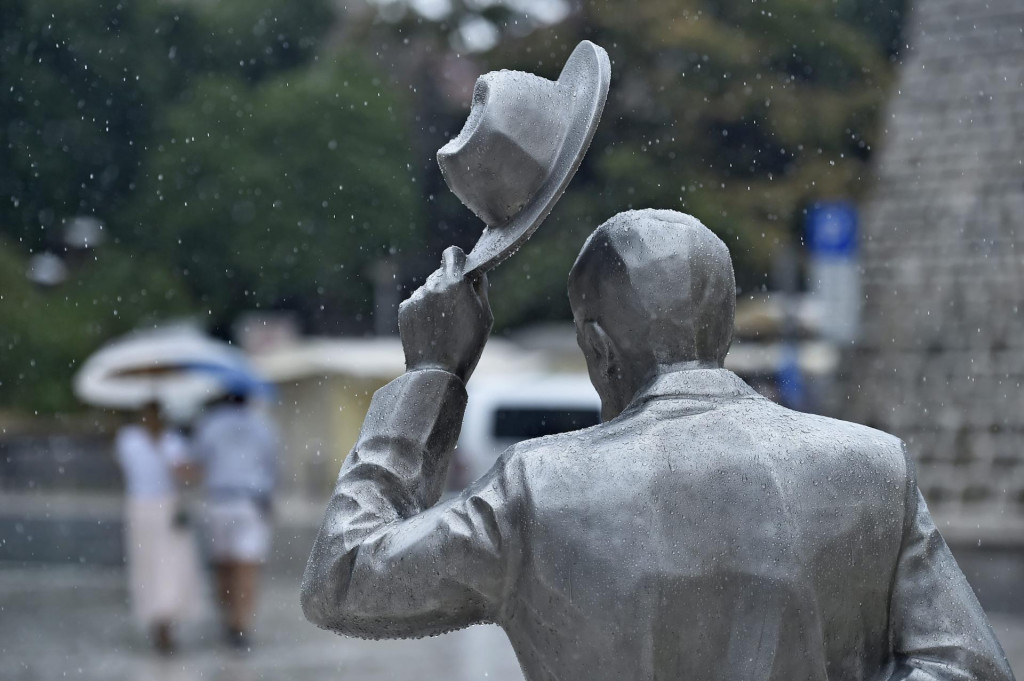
[
  {"x": 147, "y": 462},
  {"x": 238, "y": 448}
]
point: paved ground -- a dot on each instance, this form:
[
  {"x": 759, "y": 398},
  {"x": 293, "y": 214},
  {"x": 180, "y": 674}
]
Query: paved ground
[
  {"x": 70, "y": 622},
  {"x": 67, "y": 622}
]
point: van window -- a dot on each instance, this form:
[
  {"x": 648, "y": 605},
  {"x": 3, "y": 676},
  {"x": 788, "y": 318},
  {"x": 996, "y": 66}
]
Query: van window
[{"x": 513, "y": 423}]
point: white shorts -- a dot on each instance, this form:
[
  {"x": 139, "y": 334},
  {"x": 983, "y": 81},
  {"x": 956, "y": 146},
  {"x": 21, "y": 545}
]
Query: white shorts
[{"x": 236, "y": 530}]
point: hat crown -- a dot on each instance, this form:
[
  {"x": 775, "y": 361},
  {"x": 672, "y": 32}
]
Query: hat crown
[{"x": 501, "y": 158}]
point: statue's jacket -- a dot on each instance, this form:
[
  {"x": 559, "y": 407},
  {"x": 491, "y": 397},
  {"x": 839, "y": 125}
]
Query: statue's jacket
[{"x": 705, "y": 533}]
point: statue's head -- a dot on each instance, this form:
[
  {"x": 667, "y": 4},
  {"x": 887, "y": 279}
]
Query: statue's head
[{"x": 652, "y": 291}]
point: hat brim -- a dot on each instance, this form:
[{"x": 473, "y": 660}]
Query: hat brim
[{"x": 587, "y": 72}]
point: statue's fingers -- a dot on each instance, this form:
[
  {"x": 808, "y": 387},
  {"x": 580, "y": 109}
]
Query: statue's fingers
[{"x": 453, "y": 262}]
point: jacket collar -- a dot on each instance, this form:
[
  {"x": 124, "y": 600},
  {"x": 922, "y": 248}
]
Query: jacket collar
[{"x": 696, "y": 384}]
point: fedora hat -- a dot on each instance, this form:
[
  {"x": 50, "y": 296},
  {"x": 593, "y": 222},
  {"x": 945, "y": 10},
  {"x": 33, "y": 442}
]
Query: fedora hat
[{"x": 523, "y": 141}]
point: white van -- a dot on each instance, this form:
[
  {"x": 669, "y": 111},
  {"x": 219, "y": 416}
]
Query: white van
[{"x": 506, "y": 409}]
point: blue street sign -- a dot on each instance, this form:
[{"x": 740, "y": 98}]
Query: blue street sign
[
  {"x": 792, "y": 393},
  {"x": 831, "y": 229}
]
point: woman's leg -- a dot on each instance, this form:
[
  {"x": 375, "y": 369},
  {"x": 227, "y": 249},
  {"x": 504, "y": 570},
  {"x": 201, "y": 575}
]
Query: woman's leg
[
  {"x": 222, "y": 575},
  {"x": 243, "y": 605},
  {"x": 163, "y": 639}
]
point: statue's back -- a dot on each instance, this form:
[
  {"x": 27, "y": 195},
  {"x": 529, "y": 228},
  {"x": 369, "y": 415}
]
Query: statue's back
[{"x": 708, "y": 536}]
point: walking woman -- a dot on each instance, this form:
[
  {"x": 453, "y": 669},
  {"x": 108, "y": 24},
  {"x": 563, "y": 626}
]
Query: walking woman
[{"x": 163, "y": 565}]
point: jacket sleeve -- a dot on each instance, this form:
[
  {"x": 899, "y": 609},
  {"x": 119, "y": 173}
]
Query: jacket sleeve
[
  {"x": 387, "y": 562},
  {"x": 939, "y": 631}
]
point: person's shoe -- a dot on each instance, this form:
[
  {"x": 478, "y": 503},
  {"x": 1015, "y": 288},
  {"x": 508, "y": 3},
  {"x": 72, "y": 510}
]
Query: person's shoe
[
  {"x": 163, "y": 640},
  {"x": 238, "y": 640}
]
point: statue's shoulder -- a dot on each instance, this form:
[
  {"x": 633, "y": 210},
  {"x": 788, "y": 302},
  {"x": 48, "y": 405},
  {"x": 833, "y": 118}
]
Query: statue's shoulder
[
  {"x": 848, "y": 439},
  {"x": 583, "y": 447},
  {"x": 560, "y": 442},
  {"x": 862, "y": 434}
]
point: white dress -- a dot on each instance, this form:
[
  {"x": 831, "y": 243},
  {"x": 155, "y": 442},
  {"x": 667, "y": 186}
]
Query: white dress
[{"x": 163, "y": 564}]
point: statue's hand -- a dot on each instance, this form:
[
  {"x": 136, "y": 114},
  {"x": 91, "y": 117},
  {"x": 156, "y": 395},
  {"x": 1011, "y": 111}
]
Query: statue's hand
[{"x": 445, "y": 323}]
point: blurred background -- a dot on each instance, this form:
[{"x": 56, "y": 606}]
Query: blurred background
[{"x": 261, "y": 175}]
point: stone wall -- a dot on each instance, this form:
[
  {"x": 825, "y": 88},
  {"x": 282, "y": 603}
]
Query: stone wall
[{"x": 941, "y": 357}]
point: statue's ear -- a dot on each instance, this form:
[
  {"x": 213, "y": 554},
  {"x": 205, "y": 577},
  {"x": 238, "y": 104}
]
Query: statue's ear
[{"x": 601, "y": 349}]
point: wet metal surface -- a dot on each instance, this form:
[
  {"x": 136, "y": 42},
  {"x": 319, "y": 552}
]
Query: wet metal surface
[{"x": 701, "y": 531}]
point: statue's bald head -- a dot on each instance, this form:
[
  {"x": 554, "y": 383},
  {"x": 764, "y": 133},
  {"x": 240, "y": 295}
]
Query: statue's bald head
[{"x": 661, "y": 287}]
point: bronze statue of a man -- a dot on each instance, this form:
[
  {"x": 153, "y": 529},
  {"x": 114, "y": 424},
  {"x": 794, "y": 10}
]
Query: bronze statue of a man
[{"x": 700, "y": 532}]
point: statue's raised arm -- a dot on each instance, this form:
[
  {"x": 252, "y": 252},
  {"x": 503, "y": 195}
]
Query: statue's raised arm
[
  {"x": 383, "y": 565},
  {"x": 388, "y": 562}
]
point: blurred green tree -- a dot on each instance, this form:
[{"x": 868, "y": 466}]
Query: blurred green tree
[
  {"x": 85, "y": 83},
  {"x": 47, "y": 332},
  {"x": 234, "y": 161},
  {"x": 244, "y": 155},
  {"x": 281, "y": 192},
  {"x": 80, "y": 83},
  {"x": 739, "y": 113}
]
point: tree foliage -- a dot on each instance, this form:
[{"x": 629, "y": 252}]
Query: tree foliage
[
  {"x": 235, "y": 161},
  {"x": 739, "y": 113},
  {"x": 282, "y": 192},
  {"x": 46, "y": 333},
  {"x": 265, "y": 154}
]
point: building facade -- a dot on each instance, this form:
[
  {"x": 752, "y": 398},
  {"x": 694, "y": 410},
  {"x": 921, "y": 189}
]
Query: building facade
[{"x": 940, "y": 358}]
